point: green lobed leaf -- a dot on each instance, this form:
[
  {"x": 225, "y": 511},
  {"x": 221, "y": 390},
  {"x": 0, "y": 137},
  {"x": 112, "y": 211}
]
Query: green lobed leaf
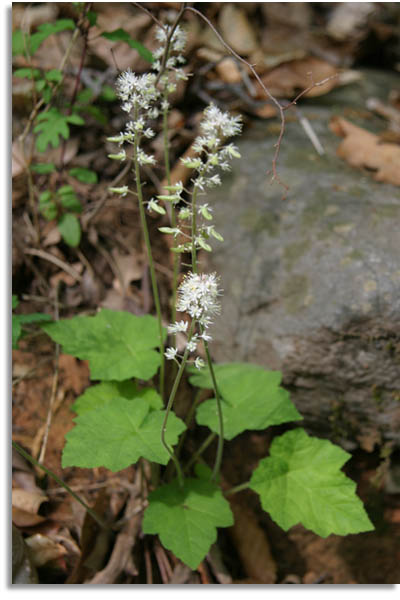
[
  {"x": 251, "y": 398},
  {"x": 75, "y": 119},
  {"x": 47, "y": 205},
  {"x": 117, "y": 434},
  {"x": 68, "y": 199},
  {"x": 54, "y": 75},
  {"x": 43, "y": 168},
  {"x": 84, "y": 175},
  {"x": 40, "y": 85},
  {"x": 186, "y": 518},
  {"x": 301, "y": 482},
  {"x": 118, "y": 345},
  {"x": 18, "y": 45},
  {"x": 70, "y": 229},
  {"x": 120, "y": 35},
  {"x": 101, "y": 394},
  {"x": 27, "y": 73},
  {"x": 51, "y": 126}
]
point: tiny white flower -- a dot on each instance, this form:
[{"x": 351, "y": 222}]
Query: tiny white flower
[
  {"x": 199, "y": 363},
  {"x": 170, "y": 353},
  {"x": 145, "y": 159},
  {"x": 192, "y": 344},
  {"x": 206, "y": 337},
  {"x": 178, "y": 326}
]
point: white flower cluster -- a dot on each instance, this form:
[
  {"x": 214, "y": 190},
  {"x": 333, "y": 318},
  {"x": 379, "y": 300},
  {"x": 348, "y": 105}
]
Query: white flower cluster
[
  {"x": 174, "y": 60},
  {"x": 215, "y": 126},
  {"x": 138, "y": 95},
  {"x": 198, "y": 297},
  {"x": 136, "y": 91}
]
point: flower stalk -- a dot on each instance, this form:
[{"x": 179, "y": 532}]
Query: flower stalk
[{"x": 147, "y": 242}]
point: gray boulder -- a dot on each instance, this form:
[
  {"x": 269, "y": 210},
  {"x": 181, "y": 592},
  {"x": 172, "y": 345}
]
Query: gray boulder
[{"x": 312, "y": 282}]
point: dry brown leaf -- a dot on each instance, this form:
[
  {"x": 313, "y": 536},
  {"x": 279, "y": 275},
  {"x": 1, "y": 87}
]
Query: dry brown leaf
[
  {"x": 43, "y": 549},
  {"x": 360, "y": 148},
  {"x": 130, "y": 267},
  {"x": 236, "y": 29},
  {"x": 66, "y": 278},
  {"x": 117, "y": 53},
  {"x": 252, "y": 545},
  {"x": 75, "y": 373},
  {"x": 229, "y": 71},
  {"x": 266, "y": 112},
  {"x": 297, "y": 75},
  {"x": 22, "y": 519},
  {"x": 25, "y": 505},
  {"x": 29, "y": 501},
  {"x": 17, "y": 160},
  {"x": 53, "y": 236}
]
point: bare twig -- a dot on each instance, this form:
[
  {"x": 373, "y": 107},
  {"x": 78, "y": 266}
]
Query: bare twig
[
  {"x": 279, "y": 106},
  {"x": 150, "y": 14},
  {"x": 54, "y": 385},
  {"x": 56, "y": 261},
  {"x": 121, "y": 556}
]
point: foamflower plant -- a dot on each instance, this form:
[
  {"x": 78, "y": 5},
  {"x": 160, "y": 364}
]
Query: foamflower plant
[{"x": 127, "y": 417}]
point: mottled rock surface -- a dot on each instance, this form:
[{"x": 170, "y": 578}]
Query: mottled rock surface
[{"x": 312, "y": 283}]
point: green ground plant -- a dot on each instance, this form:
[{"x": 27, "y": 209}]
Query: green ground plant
[{"x": 127, "y": 415}]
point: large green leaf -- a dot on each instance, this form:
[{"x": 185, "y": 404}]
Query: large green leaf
[
  {"x": 118, "y": 345},
  {"x": 101, "y": 394},
  {"x": 186, "y": 518},
  {"x": 301, "y": 482},
  {"x": 117, "y": 434},
  {"x": 251, "y": 399}
]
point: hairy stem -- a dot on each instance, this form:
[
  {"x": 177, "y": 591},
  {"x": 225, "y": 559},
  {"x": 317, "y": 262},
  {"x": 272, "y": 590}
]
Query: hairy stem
[
  {"x": 176, "y": 260},
  {"x": 237, "y": 488},
  {"x": 169, "y": 408},
  {"x": 200, "y": 451},
  {"x": 194, "y": 231},
  {"x": 218, "y": 458},
  {"x": 151, "y": 264},
  {"x": 220, "y": 447}
]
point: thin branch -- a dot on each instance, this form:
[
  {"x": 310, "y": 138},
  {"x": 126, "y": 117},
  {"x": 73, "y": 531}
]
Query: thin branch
[
  {"x": 149, "y": 14},
  {"x": 56, "y": 261},
  {"x": 54, "y": 386},
  {"x": 281, "y": 109}
]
